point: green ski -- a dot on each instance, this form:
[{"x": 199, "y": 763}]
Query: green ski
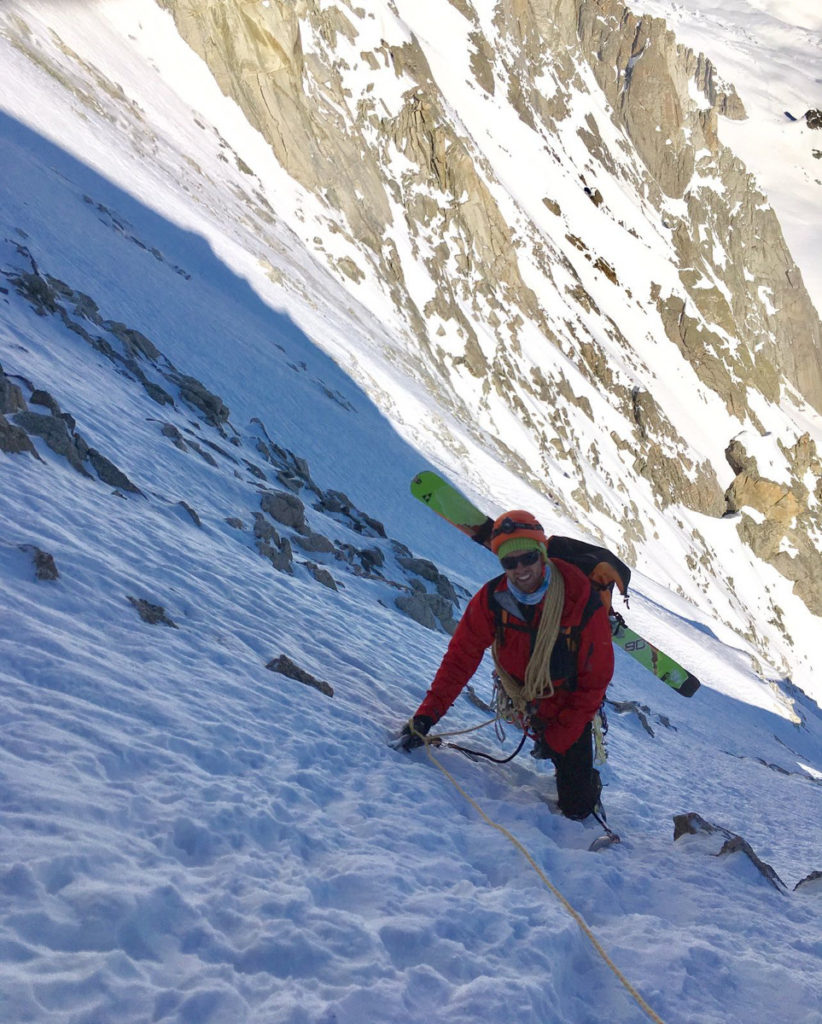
[
  {"x": 430, "y": 488},
  {"x": 661, "y": 664},
  {"x": 446, "y": 501}
]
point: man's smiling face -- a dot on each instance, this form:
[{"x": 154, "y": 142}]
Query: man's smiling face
[{"x": 524, "y": 576}]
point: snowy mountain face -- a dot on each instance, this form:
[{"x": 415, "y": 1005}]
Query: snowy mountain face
[
  {"x": 569, "y": 292},
  {"x": 261, "y": 263},
  {"x": 569, "y": 262}
]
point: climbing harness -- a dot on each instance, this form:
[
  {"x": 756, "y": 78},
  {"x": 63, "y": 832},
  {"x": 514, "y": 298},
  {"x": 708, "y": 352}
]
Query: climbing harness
[{"x": 552, "y": 647}]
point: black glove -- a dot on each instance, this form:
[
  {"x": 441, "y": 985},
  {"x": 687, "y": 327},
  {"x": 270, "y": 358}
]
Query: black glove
[{"x": 413, "y": 732}]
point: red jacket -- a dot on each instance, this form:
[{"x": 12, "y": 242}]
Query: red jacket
[{"x": 565, "y": 714}]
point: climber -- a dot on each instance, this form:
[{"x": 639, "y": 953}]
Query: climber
[{"x": 551, "y": 642}]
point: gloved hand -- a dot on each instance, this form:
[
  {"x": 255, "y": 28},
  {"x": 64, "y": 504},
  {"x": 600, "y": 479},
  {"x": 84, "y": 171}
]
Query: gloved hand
[{"x": 413, "y": 732}]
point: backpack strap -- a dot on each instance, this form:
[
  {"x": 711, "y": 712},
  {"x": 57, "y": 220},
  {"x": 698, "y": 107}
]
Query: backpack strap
[
  {"x": 591, "y": 605},
  {"x": 570, "y": 635},
  {"x": 500, "y": 615}
]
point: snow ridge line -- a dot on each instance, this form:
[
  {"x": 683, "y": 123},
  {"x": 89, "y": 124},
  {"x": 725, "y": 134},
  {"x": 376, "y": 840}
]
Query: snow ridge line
[{"x": 550, "y": 886}]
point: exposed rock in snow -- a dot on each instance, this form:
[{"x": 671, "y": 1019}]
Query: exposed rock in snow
[{"x": 285, "y": 666}]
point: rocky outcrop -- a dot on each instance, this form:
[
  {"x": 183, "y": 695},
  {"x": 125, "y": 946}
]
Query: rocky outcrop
[
  {"x": 288, "y": 667},
  {"x": 57, "y": 429},
  {"x": 135, "y": 356},
  {"x": 308, "y": 523},
  {"x": 14, "y": 440},
  {"x": 782, "y": 521},
  {"x": 675, "y": 479},
  {"x": 740, "y": 279},
  {"x": 151, "y": 613},
  {"x": 642, "y": 712},
  {"x": 694, "y": 824},
  {"x": 810, "y": 885},
  {"x": 430, "y": 607},
  {"x": 45, "y": 567},
  {"x": 285, "y": 507},
  {"x": 279, "y": 62}
]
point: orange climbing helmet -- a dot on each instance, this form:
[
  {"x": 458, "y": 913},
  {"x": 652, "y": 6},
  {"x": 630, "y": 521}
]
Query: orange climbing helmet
[{"x": 517, "y": 526}]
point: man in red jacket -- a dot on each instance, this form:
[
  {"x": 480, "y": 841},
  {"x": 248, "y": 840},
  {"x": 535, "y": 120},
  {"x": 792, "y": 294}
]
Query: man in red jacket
[{"x": 551, "y": 641}]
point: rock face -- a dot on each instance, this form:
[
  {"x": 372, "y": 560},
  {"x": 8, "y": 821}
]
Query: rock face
[
  {"x": 281, "y": 63},
  {"x": 350, "y": 101},
  {"x": 782, "y": 522}
]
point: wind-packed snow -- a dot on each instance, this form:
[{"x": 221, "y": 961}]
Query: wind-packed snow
[{"x": 189, "y": 837}]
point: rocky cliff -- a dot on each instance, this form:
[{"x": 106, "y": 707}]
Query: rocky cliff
[{"x": 520, "y": 317}]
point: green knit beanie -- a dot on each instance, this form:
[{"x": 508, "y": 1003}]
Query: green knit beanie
[{"x": 508, "y": 547}]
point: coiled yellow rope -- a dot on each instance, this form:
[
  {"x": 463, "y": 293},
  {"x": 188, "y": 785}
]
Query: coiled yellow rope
[
  {"x": 537, "y": 682},
  {"x": 576, "y": 916}
]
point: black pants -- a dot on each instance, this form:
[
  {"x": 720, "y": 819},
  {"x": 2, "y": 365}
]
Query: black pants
[{"x": 578, "y": 782}]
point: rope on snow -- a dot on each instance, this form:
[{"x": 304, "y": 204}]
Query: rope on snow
[{"x": 552, "y": 888}]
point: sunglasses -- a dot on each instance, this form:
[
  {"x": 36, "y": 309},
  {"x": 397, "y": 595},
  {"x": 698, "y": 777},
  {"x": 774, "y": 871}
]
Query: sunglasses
[{"x": 527, "y": 558}]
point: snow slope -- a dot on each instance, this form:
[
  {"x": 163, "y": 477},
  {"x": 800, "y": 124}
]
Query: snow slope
[{"x": 189, "y": 837}]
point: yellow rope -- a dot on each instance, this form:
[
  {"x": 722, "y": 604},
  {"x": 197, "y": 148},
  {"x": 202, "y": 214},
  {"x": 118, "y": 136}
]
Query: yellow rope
[
  {"x": 537, "y": 681},
  {"x": 576, "y": 916},
  {"x": 459, "y": 732}
]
